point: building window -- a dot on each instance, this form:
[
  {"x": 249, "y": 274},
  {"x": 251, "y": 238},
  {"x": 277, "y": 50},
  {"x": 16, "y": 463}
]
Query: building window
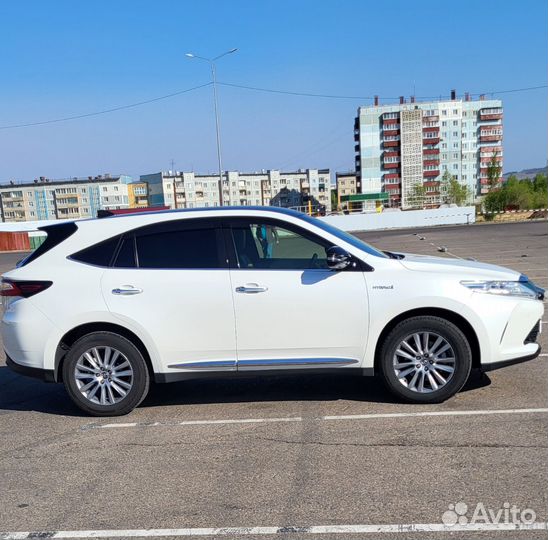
[{"x": 444, "y": 123}]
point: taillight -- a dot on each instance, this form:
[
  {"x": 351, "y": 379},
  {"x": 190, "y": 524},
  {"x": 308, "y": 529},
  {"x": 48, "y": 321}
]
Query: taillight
[{"x": 9, "y": 287}]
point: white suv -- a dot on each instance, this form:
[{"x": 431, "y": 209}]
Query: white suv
[{"x": 106, "y": 305}]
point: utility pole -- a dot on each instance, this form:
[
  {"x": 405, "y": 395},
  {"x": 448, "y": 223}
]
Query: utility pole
[{"x": 211, "y": 62}]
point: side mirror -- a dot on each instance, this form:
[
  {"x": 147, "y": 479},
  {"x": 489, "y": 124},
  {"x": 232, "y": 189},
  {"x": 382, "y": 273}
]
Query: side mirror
[{"x": 338, "y": 258}]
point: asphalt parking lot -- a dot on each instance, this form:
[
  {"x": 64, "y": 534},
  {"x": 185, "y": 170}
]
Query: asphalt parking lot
[{"x": 303, "y": 457}]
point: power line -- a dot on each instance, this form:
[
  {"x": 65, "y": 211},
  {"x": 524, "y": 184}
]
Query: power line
[
  {"x": 253, "y": 88},
  {"x": 105, "y": 111},
  {"x": 333, "y": 96}
]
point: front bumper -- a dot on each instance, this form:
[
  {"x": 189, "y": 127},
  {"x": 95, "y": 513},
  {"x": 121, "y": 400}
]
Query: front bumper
[
  {"x": 47, "y": 375},
  {"x": 511, "y": 361}
]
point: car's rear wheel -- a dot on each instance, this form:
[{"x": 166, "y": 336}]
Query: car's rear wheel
[
  {"x": 425, "y": 359},
  {"x": 105, "y": 374}
]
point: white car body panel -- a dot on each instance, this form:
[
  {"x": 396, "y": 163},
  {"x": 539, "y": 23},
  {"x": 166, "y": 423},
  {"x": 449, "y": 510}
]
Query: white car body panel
[
  {"x": 184, "y": 317},
  {"x": 187, "y": 313},
  {"x": 289, "y": 319}
]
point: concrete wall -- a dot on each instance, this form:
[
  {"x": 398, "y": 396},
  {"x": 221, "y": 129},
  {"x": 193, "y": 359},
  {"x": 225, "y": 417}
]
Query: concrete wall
[{"x": 401, "y": 220}]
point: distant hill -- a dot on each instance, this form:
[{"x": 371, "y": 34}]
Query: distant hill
[{"x": 526, "y": 173}]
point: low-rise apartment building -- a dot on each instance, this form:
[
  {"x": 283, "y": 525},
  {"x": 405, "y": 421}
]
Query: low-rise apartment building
[
  {"x": 298, "y": 189},
  {"x": 63, "y": 199}
]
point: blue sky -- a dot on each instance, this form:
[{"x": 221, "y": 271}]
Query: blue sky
[{"x": 63, "y": 58}]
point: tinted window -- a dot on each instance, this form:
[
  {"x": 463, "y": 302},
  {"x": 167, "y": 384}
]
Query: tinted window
[
  {"x": 100, "y": 254},
  {"x": 126, "y": 254},
  {"x": 178, "y": 249},
  {"x": 269, "y": 246}
]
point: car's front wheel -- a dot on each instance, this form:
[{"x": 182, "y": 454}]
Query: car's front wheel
[
  {"x": 425, "y": 359},
  {"x": 105, "y": 374}
]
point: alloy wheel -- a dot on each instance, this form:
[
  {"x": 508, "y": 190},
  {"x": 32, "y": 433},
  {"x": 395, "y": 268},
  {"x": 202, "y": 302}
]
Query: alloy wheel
[
  {"x": 103, "y": 375},
  {"x": 424, "y": 362}
]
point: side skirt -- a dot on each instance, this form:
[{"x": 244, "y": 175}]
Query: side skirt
[{"x": 175, "y": 377}]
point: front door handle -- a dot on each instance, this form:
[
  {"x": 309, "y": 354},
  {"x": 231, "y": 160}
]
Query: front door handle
[
  {"x": 127, "y": 290},
  {"x": 251, "y": 288}
]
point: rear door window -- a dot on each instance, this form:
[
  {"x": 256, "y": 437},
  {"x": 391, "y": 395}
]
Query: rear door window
[{"x": 189, "y": 244}]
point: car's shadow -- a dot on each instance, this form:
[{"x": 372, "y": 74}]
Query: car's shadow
[{"x": 18, "y": 393}]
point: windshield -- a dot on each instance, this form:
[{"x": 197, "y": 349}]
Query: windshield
[{"x": 343, "y": 235}]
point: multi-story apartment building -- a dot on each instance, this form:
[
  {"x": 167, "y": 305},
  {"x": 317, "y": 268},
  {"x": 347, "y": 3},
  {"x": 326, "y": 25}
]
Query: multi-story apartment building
[
  {"x": 403, "y": 150},
  {"x": 288, "y": 189},
  {"x": 137, "y": 193},
  {"x": 63, "y": 199},
  {"x": 348, "y": 185}
]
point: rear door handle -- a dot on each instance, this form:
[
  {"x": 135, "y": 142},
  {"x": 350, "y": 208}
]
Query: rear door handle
[
  {"x": 251, "y": 288},
  {"x": 127, "y": 290}
]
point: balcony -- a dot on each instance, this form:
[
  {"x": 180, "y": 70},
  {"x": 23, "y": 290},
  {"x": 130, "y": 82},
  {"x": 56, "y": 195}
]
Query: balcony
[
  {"x": 429, "y": 140},
  {"x": 392, "y": 187},
  {"x": 392, "y": 165},
  {"x": 431, "y": 151},
  {"x": 391, "y": 176},
  {"x": 490, "y": 138},
  {"x": 431, "y": 118},
  {"x": 431, "y": 162},
  {"x": 390, "y": 122},
  {"x": 490, "y": 114},
  {"x": 484, "y": 161},
  {"x": 357, "y": 148},
  {"x": 431, "y": 184},
  {"x": 390, "y": 144},
  {"x": 431, "y": 174},
  {"x": 431, "y": 130}
]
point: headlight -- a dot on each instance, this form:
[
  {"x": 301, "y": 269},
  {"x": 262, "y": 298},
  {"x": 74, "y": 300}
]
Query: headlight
[{"x": 524, "y": 289}]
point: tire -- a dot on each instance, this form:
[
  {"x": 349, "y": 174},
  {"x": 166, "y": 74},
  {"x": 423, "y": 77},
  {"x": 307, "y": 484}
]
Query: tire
[
  {"x": 107, "y": 376},
  {"x": 398, "y": 365}
]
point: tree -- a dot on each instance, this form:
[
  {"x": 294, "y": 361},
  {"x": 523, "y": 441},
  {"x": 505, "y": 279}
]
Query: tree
[
  {"x": 540, "y": 183},
  {"x": 334, "y": 199},
  {"x": 493, "y": 171},
  {"x": 418, "y": 195},
  {"x": 517, "y": 194},
  {"x": 453, "y": 191}
]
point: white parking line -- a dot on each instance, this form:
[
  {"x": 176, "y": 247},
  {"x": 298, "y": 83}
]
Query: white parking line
[
  {"x": 435, "y": 413},
  {"x": 204, "y": 422},
  {"x": 371, "y": 416},
  {"x": 282, "y": 531}
]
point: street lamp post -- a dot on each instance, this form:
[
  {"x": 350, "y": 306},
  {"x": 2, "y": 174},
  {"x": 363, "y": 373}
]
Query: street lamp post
[{"x": 211, "y": 62}]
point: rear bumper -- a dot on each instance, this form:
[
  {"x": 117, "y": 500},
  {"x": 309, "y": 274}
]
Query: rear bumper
[
  {"x": 511, "y": 361},
  {"x": 46, "y": 375}
]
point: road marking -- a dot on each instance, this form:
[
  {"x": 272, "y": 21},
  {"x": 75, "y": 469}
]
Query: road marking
[
  {"x": 435, "y": 413},
  {"x": 543, "y": 354},
  {"x": 202, "y": 422},
  {"x": 282, "y": 531},
  {"x": 370, "y": 416}
]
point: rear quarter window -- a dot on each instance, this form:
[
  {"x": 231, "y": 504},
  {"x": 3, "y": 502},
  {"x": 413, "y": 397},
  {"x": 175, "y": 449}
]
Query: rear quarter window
[
  {"x": 55, "y": 235},
  {"x": 100, "y": 254}
]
